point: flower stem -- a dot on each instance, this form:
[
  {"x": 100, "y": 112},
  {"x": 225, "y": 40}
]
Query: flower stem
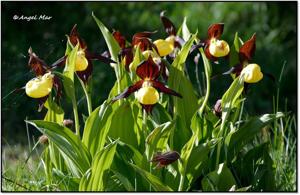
[
  {"x": 87, "y": 96},
  {"x": 182, "y": 178},
  {"x": 207, "y": 68},
  {"x": 77, "y": 129},
  {"x": 220, "y": 144}
]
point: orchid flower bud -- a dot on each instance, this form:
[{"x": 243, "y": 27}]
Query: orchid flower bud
[
  {"x": 164, "y": 47},
  {"x": 81, "y": 62},
  {"x": 252, "y": 73},
  {"x": 218, "y": 48},
  {"x": 147, "y": 95},
  {"x": 40, "y": 86}
]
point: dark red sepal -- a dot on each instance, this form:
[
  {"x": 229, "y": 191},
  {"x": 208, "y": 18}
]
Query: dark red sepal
[
  {"x": 162, "y": 88},
  {"x": 101, "y": 58},
  {"x": 148, "y": 69},
  {"x": 128, "y": 55},
  {"x": 215, "y": 30},
  {"x": 74, "y": 38},
  {"x": 208, "y": 55},
  {"x": 144, "y": 43},
  {"x": 38, "y": 66},
  {"x": 164, "y": 70},
  {"x": 234, "y": 70},
  {"x": 42, "y": 102},
  {"x": 248, "y": 49},
  {"x": 148, "y": 108},
  {"x": 128, "y": 91},
  {"x": 164, "y": 159},
  {"x": 60, "y": 62},
  {"x": 57, "y": 87},
  {"x": 168, "y": 25},
  {"x": 120, "y": 39},
  {"x": 139, "y": 35}
]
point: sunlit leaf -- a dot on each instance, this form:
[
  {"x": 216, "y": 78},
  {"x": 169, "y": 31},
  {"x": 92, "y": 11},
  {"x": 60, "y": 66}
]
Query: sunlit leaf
[
  {"x": 66, "y": 141},
  {"x": 218, "y": 180},
  {"x": 94, "y": 180},
  {"x": 111, "y": 42},
  {"x": 96, "y": 128},
  {"x": 153, "y": 180}
]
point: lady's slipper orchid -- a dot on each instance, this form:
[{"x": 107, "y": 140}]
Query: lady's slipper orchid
[
  {"x": 164, "y": 159},
  {"x": 170, "y": 29},
  {"x": 147, "y": 93},
  {"x": 215, "y": 47},
  {"x": 40, "y": 86},
  {"x": 140, "y": 39},
  {"x": 252, "y": 73},
  {"x": 83, "y": 63}
]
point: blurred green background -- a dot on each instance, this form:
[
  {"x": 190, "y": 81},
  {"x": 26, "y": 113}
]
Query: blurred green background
[{"x": 274, "y": 23}]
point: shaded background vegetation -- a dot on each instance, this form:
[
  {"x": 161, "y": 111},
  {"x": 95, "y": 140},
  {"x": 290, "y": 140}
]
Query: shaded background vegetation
[{"x": 274, "y": 23}]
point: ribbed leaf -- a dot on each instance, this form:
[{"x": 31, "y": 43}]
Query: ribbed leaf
[
  {"x": 96, "y": 128},
  {"x": 234, "y": 51},
  {"x": 111, "y": 43},
  {"x": 181, "y": 57},
  {"x": 157, "y": 140},
  {"x": 153, "y": 180},
  {"x": 218, "y": 180},
  {"x": 122, "y": 125},
  {"x": 66, "y": 141},
  {"x": 94, "y": 178},
  {"x": 246, "y": 133}
]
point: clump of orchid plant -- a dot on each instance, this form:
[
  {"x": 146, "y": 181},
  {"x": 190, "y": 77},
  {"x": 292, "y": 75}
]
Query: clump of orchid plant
[{"x": 181, "y": 143}]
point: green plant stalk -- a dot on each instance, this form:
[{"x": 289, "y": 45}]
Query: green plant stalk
[
  {"x": 145, "y": 131},
  {"x": 75, "y": 111},
  {"x": 220, "y": 143},
  {"x": 207, "y": 92},
  {"x": 207, "y": 68},
  {"x": 181, "y": 182},
  {"x": 87, "y": 96}
]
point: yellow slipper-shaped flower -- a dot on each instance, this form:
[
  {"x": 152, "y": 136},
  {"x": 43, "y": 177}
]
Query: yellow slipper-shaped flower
[
  {"x": 252, "y": 73},
  {"x": 164, "y": 47},
  {"x": 147, "y": 95},
  {"x": 218, "y": 48},
  {"x": 81, "y": 62},
  {"x": 40, "y": 86}
]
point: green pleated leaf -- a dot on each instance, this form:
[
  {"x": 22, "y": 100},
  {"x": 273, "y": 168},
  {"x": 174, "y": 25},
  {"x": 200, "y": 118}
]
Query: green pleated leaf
[
  {"x": 123, "y": 124},
  {"x": 184, "y": 52},
  {"x": 246, "y": 133},
  {"x": 124, "y": 83},
  {"x": 70, "y": 63},
  {"x": 157, "y": 140},
  {"x": 94, "y": 178},
  {"x": 111, "y": 43},
  {"x": 68, "y": 74},
  {"x": 153, "y": 180},
  {"x": 96, "y": 128},
  {"x": 67, "y": 143},
  {"x": 234, "y": 51},
  {"x": 230, "y": 96},
  {"x": 218, "y": 180},
  {"x": 183, "y": 107}
]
